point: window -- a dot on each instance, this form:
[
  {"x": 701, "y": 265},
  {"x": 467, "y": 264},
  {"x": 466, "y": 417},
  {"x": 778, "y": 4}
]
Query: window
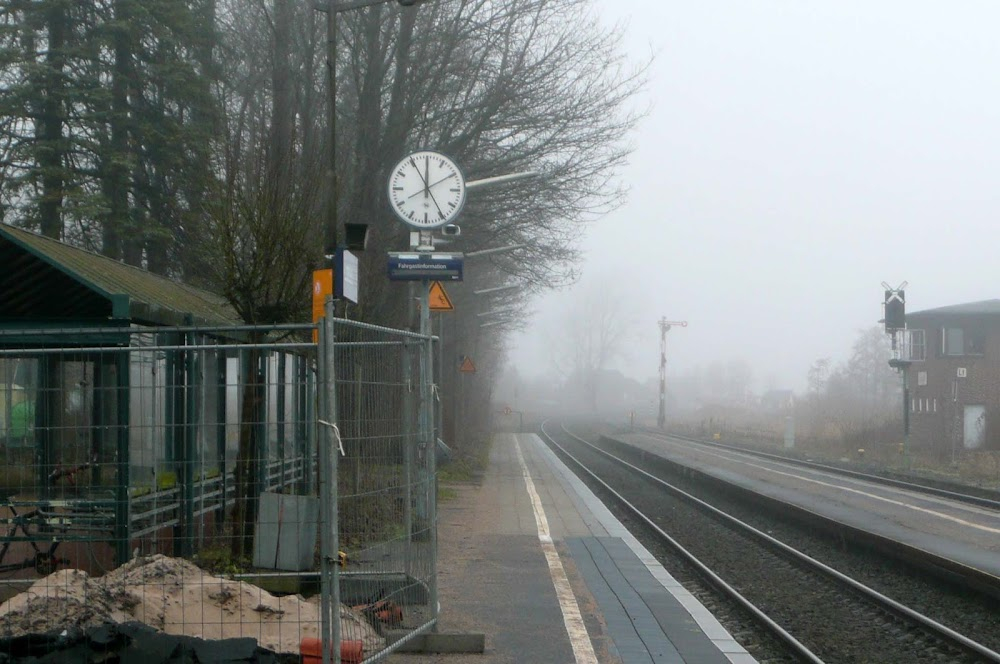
[
  {"x": 960, "y": 341},
  {"x": 953, "y": 341},
  {"x": 921, "y": 378},
  {"x": 975, "y": 343},
  {"x": 917, "y": 346}
]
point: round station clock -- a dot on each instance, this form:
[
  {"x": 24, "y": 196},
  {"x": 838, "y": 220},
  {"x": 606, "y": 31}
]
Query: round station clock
[{"x": 426, "y": 189}]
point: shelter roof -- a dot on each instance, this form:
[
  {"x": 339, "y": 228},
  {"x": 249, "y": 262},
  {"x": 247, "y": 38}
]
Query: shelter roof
[{"x": 46, "y": 280}]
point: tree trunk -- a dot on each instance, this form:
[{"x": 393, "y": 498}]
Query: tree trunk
[
  {"x": 247, "y": 472},
  {"x": 281, "y": 84},
  {"x": 51, "y": 151},
  {"x": 116, "y": 162}
]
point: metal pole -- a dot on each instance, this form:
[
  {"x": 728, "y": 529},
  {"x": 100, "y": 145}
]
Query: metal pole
[
  {"x": 408, "y": 442},
  {"x": 334, "y": 460},
  {"x": 312, "y": 410},
  {"x": 188, "y": 443},
  {"x": 906, "y": 419},
  {"x": 123, "y": 520},
  {"x": 661, "y": 417},
  {"x": 665, "y": 326},
  {"x": 440, "y": 378},
  {"x": 427, "y": 435},
  {"x": 329, "y": 536},
  {"x": 331, "y": 75},
  {"x": 323, "y": 440}
]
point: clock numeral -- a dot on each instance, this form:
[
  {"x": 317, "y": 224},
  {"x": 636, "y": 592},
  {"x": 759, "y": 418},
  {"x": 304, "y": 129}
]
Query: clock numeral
[{"x": 397, "y": 189}]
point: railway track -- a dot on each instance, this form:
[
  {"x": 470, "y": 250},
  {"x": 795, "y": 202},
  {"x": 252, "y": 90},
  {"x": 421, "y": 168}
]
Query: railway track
[
  {"x": 815, "y": 612},
  {"x": 986, "y": 498}
]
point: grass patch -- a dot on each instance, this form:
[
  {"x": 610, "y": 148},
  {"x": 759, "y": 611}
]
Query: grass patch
[
  {"x": 468, "y": 463},
  {"x": 456, "y": 471},
  {"x": 446, "y": 493}
]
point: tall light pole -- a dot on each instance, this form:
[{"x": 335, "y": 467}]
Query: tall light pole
[
  {"x": 330, "y": 591},
  {"x": 332, "y": 8},
  {"x": 665, "y": 326}
]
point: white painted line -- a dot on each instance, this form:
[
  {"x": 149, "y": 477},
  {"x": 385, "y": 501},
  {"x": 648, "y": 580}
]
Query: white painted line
[
  {"x": 583, "y": 650},
  {"x": 866, "y": 494}
]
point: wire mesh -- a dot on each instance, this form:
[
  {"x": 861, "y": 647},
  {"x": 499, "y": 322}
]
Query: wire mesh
[
  {"x": 386, "y": 485},
  {"x": 203, "y": 480},
  {"x": 149, "y": 474}
]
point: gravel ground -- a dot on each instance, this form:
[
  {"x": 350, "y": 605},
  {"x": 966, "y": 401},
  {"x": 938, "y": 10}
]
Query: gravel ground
[{"x": 836, "y": 626}]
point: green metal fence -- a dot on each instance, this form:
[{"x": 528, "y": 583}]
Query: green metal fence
[{"x": 267, "y": 458}]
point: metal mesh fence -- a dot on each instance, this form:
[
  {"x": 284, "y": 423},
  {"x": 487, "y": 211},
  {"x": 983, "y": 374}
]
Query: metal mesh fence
[
  {"x": 386, "y": 489},
  {"x": 181, "y": 477}
]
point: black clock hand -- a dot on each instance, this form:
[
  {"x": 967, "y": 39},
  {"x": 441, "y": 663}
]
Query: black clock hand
[
  {"x": 435, "y": 203},
  {"x": 433, "y": 184},
  {"x": 419, "y": 174},
  {"x": 427, "y": 190}
]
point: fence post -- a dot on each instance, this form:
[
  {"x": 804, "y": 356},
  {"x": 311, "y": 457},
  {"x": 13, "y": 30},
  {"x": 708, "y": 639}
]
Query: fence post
[
  {"x": 329, "y": 537},
  {"x": 122, "y": 512},
  {"x": 408, "y": 442},
  {"x": 262, "y": 392},
  {"x": 176, "y": 435},
  {"x": 280, "y": 387},
  {"x": 312, "y": 410},
  {"x": 431, "y": 485},
  {"x": 220, "y": 438},
  {"x": 188, "y": 443}
]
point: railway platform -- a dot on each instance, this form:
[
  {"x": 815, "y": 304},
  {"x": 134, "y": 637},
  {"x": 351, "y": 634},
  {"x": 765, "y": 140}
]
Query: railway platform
[{"x": 533, "y": 560}]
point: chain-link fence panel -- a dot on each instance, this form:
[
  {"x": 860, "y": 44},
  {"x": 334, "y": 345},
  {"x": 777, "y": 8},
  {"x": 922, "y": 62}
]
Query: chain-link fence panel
[
  {"x": 149, "y": 472},
  {"x": 386, "y": 489}
]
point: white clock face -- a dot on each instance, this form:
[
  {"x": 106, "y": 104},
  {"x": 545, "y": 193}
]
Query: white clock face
[{"x": 426, "y": 189}]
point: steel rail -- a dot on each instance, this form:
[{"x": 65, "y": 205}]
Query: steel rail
[
  {"x": 979, "y": 501},
  {"x": 714, "y": 579},
  {"x": 942, "y": 631}
]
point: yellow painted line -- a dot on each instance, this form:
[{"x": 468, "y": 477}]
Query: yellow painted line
[
  {"x": 583, "y": 650},
  {"x": 898, "y": 503}
]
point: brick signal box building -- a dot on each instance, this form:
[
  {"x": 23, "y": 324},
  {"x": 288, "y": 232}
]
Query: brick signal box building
[{"x": 954, "y": 378}]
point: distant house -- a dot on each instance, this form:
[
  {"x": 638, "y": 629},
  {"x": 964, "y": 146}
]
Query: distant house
[{"x": 954, "y": 377}]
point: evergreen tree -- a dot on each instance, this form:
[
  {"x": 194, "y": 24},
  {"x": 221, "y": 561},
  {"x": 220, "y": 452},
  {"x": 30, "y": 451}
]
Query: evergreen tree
[{"x": 108, "y": 122}]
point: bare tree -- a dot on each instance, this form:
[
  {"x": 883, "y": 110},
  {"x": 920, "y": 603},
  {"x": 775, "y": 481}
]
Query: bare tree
[
  {"x": 261, "y": 253},
  {"x": 261, "y": 237},
  {"x": 858, "y": 399},
  {"x": 592, "y": 333}
]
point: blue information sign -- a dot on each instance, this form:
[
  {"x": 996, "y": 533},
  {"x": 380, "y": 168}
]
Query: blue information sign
[{"x": 417, "y": 266}]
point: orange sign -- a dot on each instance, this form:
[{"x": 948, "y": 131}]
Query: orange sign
[
  {"x": 438, "y": 298},
  {"x": 322, "y": 287},
  {"x": 467, "y": 365}
]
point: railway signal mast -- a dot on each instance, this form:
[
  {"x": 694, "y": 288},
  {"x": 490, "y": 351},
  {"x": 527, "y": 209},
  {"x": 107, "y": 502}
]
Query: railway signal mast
[
  {"x": 894, "y": 310},
  {"x": 665, "y": 326}
]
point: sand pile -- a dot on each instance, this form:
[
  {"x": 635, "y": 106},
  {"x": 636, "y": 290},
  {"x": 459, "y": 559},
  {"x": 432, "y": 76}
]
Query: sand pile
[{"x": 176, "y": 597}]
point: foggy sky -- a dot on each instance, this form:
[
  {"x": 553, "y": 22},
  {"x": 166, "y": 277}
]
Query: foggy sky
[{"x": 796, "y": 155}]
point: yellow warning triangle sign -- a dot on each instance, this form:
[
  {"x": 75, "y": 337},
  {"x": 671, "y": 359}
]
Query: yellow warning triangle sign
[
  {"x": 439, "y": 298},
  {"x": 467, "y": 365}
]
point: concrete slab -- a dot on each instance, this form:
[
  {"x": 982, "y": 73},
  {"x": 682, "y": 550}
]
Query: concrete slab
[{"x": 493, "y": 577}]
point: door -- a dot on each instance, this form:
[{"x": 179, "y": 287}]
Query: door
[{"x": 974, "y": 429}]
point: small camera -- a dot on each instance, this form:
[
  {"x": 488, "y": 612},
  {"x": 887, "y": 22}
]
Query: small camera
[{"x": 451, "y": 229}]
